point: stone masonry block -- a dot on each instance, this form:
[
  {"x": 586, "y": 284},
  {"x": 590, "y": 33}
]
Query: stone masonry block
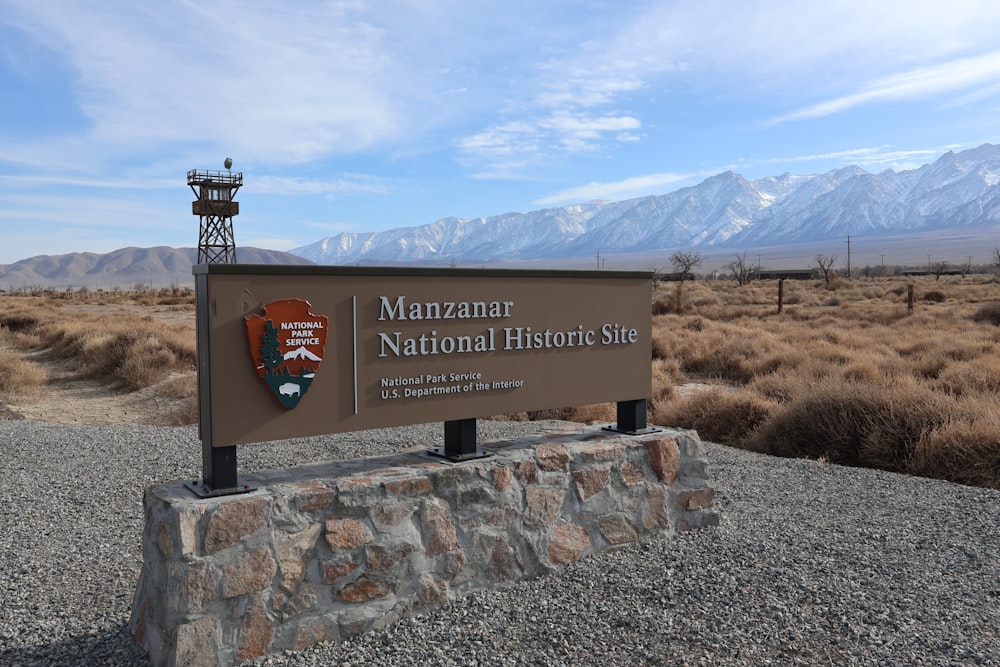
[
  {"x": 343, "y": 533},
  {"x": 234, "y": 521},
  {"x": 567, "y": 543},
  {"x": 665, "y": 458},
  {"x": 248, "y": 573}
]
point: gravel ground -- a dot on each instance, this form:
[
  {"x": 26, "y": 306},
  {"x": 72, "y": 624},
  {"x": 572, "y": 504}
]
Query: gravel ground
[{"x": 812, "y": 564}]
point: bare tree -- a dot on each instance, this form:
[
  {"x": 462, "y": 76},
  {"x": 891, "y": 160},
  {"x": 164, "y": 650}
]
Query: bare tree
[
  {"x": 825, "y": 266},
  {"x": 938, "y": 269},
  {"x": 685, "y": 262},
  {"x": 996, "y": 259},
  {"x": 741, "y": 269}
]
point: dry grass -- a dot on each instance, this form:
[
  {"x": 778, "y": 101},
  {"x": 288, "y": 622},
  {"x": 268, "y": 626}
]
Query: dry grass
[
  {"x": 123, "y": 350},
  {"x": 845, "y": 373}
]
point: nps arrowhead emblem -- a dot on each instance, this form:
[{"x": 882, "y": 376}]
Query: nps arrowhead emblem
[{"x": 287, "y": 345}]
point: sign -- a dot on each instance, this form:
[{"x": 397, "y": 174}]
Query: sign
[{"x": 292, "y": 351}]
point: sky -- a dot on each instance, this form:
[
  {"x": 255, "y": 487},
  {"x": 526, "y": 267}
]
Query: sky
[{"x": 365, "y": 115}]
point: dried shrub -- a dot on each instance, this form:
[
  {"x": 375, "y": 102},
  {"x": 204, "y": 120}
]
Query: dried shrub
[
  {"x": 719, "y": 415},
  {"x": 19, "y": 379},
  {"x": 934, "y": 296},
  {"x": 793, "y": 299},
  {"x": 858, "y": 424},
  {"x": 971, "y": 377},
  {"x": 962, "y": 451},
  {"x": 988, "y": 313},
  {"x": 664, "y": 306}
]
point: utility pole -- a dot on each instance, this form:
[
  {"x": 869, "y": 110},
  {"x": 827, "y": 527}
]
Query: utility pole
[
  {"x": 848, "y": 256},
  {"x": 883, "y": 266},
  {"x": 598, "y": 260}
]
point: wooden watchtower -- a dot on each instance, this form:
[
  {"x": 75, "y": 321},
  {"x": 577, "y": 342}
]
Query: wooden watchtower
[{"x": 215, "y": 205}]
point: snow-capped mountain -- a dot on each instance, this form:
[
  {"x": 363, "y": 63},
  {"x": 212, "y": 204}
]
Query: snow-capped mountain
[
  {"x": 301, "y": 353},
  {"x": 726, "y": 210}
]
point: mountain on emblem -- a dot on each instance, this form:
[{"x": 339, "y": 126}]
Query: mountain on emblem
[{"x": 287, "y": 344}]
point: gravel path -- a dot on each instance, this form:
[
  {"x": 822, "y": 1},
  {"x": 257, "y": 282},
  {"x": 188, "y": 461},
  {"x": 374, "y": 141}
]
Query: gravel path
[{"x": 812, "y": 564}]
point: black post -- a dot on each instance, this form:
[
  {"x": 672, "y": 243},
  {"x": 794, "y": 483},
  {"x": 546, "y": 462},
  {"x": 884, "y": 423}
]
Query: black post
[
  {"x": 460, "y": 437},
  {"x": 459, "y": 442},
  {"x": 219, "y": 467},
  {"x": 631, "y": 416}
]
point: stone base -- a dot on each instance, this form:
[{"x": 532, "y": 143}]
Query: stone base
[{"x": 327, "y": 551}]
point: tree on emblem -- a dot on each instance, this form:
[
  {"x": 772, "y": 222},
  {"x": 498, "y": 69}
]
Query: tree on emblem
[{"x": 270, "y": 354}]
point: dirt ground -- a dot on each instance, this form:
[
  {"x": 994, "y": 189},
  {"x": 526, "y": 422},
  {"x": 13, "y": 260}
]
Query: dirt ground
[{"x": 68, "y": 399}]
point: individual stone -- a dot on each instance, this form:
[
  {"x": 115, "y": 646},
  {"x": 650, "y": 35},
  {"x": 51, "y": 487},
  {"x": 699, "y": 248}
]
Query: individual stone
[
  {"x": 411, "y": 486},
  {"x": 590, "y": 482},
  {"x": 346, "y": 533},
  {"x": 391, "y": 516},
  {"x": 197, "y": 643},
  {"x": 333, "y": 570},
  {"x": 439, "y": 528},
  {"x": 256, "y": 633},
  {"x": 196, "y": 583},
  {"x": 526, "y": 471},
  {"x": 543, "y": 505},
  {"x": 359, "y": 491},
  {"x": 431, "y": 591},
  {"x": 499, "y": 567},
  {"x": 604, "y": 451},
  {"x": 363, "y": 589},
  {"x": 187, "y": 529},
  {"x": 501, "y": 479},
  {"x": 382, "y": 559},
  {"x": 164, "y": 541},
  {"x": 233, "y": 521},
  {"x": 633, "y": 474},
  {"x": 247, "y": 573},
  {"x": 655, "y": 512},
  {"x": 567, "y": 543},
  {"x": 552, "y": 456},
  {"x": 617, "y": 529},
  {"x": 665, "y": 458},
  {"x": 696, "y": 499},
  {"x": 313, "y": 495},
  {"x": 292, "y": 551},
  {"x": 306, "y": 598}
]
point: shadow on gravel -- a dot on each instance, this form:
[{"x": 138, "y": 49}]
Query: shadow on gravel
[{"x": 112, "y": 647}]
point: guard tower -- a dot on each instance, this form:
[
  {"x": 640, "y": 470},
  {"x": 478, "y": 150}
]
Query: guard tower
[{"x": 215, "y": 207}]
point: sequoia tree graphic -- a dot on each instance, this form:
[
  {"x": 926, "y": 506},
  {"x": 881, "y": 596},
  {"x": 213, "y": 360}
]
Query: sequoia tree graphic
[{"x": 270, "y": 354}]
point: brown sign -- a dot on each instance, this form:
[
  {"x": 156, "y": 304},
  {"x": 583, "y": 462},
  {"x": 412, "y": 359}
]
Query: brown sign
[{"x": 295, "y": 351}]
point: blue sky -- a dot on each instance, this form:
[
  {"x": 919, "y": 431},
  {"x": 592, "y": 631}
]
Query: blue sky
[{"x": 362, "y": 115}]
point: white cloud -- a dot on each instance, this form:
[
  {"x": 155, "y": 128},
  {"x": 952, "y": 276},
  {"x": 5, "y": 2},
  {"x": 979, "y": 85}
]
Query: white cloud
[
  {"x": 922, "y": 82},
  {"x": 635, "y": 186},
  {"x": 280, "y": 185}
]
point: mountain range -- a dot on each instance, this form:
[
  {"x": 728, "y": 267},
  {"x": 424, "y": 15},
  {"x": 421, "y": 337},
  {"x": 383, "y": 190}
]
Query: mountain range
[
  {"x": 956, "y": 191},
  {"x": 950, "y": 207},
  {"x": 152, "y": 267}
]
